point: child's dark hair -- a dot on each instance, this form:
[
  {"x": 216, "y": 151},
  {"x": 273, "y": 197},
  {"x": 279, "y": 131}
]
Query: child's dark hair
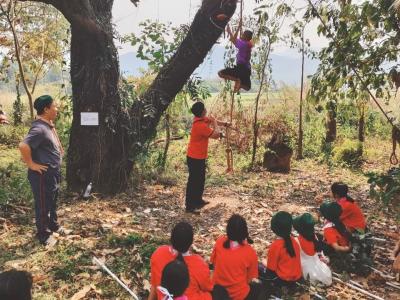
[
  {"x": 307, "y": 230},
  {"x": 341, "y": 189},
  {"x": 281, "y": 225},
  {"x": 332, "y": 212},
  {"x": 15, "y": 285},
  {"x": 175, "y": 278},
  {"x": 237, "y": 231},
  {"x": 182, "y": 238},
  {"x": 248, "y": 35}
]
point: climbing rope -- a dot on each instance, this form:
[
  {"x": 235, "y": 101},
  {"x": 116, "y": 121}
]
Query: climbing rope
[
  {"x": 229, "y": 152},
  {"x": 395, "y": 129}
]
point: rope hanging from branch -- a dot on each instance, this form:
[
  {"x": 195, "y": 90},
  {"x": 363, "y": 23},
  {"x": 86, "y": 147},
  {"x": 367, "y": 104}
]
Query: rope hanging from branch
[
  {"x": 229, "y": 152},
  {"x": 395, "y": 130}
]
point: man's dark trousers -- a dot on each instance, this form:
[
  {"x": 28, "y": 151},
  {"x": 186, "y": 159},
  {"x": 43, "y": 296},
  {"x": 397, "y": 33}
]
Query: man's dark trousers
[
  {"x": 45, "y": 189},
  {"x": 195, "y": 184}
]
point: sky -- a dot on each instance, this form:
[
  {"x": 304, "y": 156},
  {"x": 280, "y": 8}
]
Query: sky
[{"x": 127, "y": 18}]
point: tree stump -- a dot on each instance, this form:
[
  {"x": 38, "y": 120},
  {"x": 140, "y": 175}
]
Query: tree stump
[{"x": 277, "y": 157}]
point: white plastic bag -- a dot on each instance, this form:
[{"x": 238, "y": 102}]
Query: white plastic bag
[{"x": 314, "y": 269}]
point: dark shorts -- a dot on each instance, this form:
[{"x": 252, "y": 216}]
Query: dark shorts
[{"x": 241, "y": 72}]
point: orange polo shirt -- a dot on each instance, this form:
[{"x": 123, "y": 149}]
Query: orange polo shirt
[
  {"x": 278, "y": 260},
  {"x": 352, "y": 216},
  {"x": 200, "y": 285},
  {"x": 234, "y": 268},
  {"x": 198, "y": 143},
  {"x": 332, "y": 235},
  {"x": 307, "y": 246}
]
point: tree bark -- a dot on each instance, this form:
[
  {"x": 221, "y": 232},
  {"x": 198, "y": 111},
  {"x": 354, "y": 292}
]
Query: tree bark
[
  {"x": 330, "y": 126},
  {"x": 167, "y": 141},
  {"x": 300, "y": 142},
  {"x": 104, "y": 154},
  {"x": 361, "y": 126}
]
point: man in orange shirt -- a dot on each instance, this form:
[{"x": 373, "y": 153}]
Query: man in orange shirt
[{"x": 197, "y": 153}]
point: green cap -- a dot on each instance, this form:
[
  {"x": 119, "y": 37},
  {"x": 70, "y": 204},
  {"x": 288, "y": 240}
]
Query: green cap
[
  {"x": 304, "y": 224},
  {"x": 41, "y": 102},
  {"x": 281, "y": 223}
]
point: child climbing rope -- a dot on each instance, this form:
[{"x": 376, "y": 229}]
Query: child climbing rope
[{"x": 240, "y": 73}]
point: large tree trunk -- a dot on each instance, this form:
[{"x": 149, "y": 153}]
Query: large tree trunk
[
  {"x": 104, "y": 154},
  {"x": 96, "y": 153}
]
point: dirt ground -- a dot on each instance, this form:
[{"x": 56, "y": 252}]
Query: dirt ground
[{"x": 124, "y": 231}]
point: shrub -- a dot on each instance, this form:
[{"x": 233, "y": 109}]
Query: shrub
[
  {"x": 14, "y": 186},
  {"x": 385, "y": 187},
  {"x": 348, "y": 154},
  {"x": 12, "y": 135}
]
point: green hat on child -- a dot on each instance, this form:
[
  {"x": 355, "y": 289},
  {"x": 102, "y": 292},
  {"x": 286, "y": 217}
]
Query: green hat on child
[
  {"x": 330, "y": 210},
  {"x": 304, "y": 224},
  {"x": 281, "y": 223}
]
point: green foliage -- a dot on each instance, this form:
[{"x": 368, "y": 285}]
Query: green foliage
[
  {"x": 11, "y": 136},
  {"x": 385, "y": 187},
  {"x": 349, "y": 153},
  {"x": 14, "y": 186},
  {"x": 157, "y": 42},
  {"x": 70, "y": 261},
  {"x": 363, "y": 36},
  {"x": 18, "y": 110}
]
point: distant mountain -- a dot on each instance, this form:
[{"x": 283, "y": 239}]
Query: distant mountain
[{"x": 284, "y": 68}]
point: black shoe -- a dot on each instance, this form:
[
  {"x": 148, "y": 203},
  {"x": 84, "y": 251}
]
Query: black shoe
[
  {"x": 54, "y": 227},
  {"x": 202, "y": 204},
  {"x": 192, "y": 211},
  {"x": 43, "y": 237}
]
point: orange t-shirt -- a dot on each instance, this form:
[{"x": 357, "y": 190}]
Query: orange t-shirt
[
  {"x": 332, "y": 235},
  {"x": 278, "y": 260},
  {"x": 198, "y": 143},
  {"x": 352, "y": 216},
  {"x": 234, "y": 268},
  {"x": 200, "y": 285},
  {"x": 307, "y": 246}
]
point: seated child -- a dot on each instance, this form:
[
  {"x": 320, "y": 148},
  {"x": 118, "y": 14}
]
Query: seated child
[
  {"x": 15, "y": 285},
  {"x": 282, "y": 266},
  {"x": 313, "y": 261},
  {"x": 240, "y": 73},
  {"x": 235, "y": 261},
  {"x": 308, "y": 241},
  {"x": 200, "y": 285},
  {"x": 336, "y": 235},
  {"x": 174, "y": 281},
  {"x": 352, "y": 216}
]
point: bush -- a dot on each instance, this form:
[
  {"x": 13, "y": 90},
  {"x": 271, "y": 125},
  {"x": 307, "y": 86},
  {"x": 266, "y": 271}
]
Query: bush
[
  {"x": 348, "y": 154},
  {"x": 12, "y": 135},
  {"x": 14, "y": 186},
  {"x": 385, "y": 187}
]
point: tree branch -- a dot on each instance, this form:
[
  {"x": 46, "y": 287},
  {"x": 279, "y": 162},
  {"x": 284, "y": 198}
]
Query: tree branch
[{"x": 146, "y": 112}]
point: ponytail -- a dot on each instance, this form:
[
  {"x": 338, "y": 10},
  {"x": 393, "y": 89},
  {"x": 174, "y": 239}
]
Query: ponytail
[
  {"x": 310, "y": 236},
  {"x": 227, "y": 244},
  {"x": 180, "y": 257},
  {"x": 341, "y": 228},
  {"x": 289, "y": 246}
]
